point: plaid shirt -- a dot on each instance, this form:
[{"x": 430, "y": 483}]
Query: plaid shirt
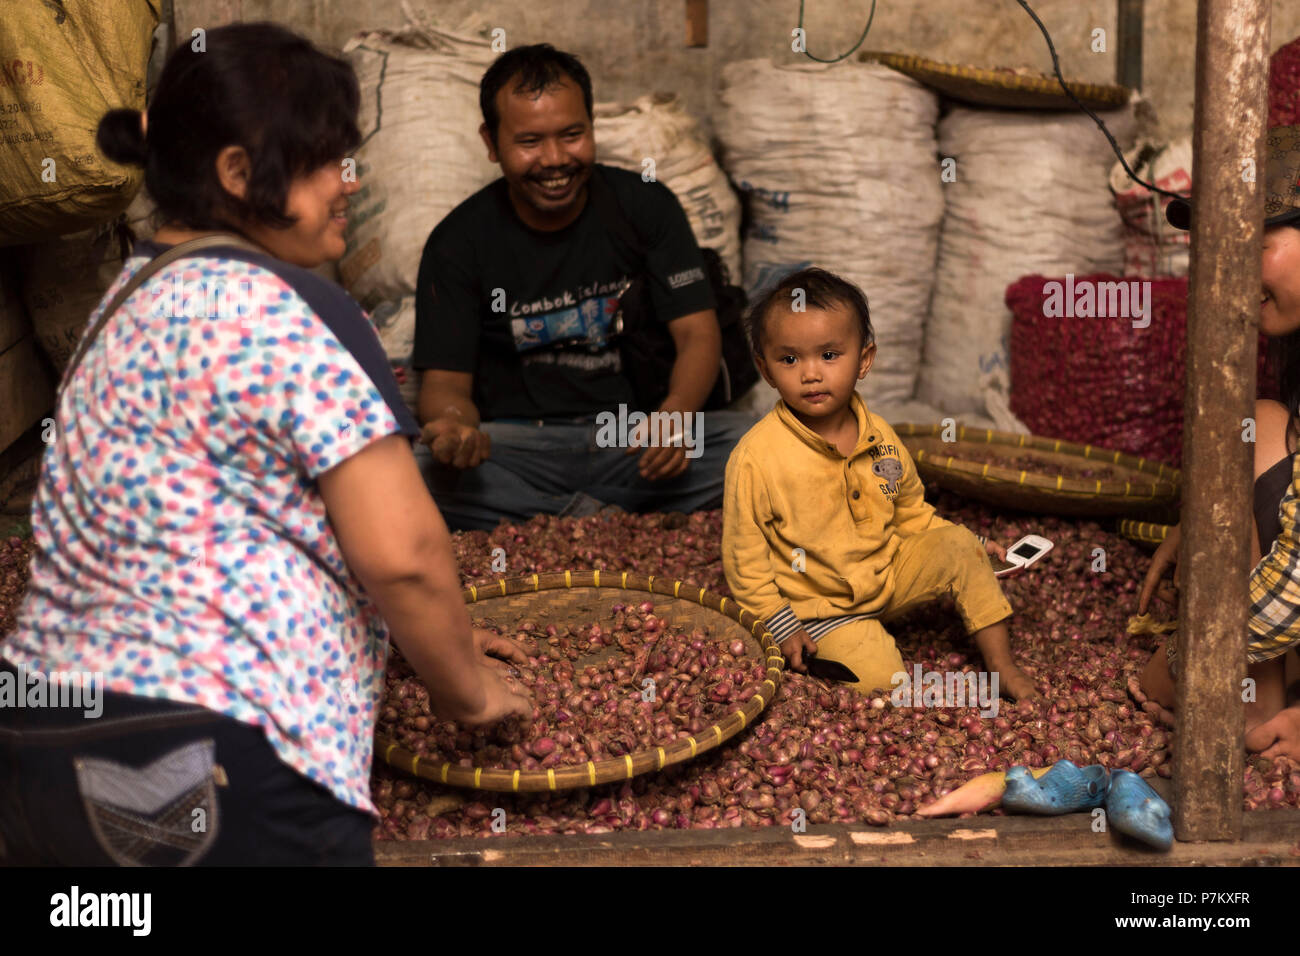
[{"x": 1274, "y": 586}]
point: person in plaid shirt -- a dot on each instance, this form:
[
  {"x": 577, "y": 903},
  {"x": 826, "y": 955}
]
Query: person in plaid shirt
[{"x": 1272, "y": 727}]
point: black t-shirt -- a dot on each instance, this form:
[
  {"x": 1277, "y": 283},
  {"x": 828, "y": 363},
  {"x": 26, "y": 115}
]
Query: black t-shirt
[{"x": 527, "y": 312}]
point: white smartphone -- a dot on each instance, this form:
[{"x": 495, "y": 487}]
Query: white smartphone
[{"x": 1022, "y": 554}]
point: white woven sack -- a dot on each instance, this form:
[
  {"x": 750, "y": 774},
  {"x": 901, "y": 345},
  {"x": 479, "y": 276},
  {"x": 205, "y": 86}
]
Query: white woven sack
[
  {"x": 1030, "y": 198},
  {"x": 421, "y": 155},
  {"x": 1152, "y": 247},
  {"x": 657, "y": 128},
  {"x": 841, "y": 170}
]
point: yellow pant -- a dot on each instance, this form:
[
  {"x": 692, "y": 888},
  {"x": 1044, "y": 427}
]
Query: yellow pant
[{"x": 929, "y": 564}]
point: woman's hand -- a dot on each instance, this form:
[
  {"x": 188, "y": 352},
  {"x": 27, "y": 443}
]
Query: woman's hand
[
  {"x": 502, "y": 699},
  {"x": 497, "y": 649},
  {"x": 1165, "y": 556}
]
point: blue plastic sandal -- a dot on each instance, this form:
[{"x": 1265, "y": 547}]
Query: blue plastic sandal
[
  {"x": 1133, "y": 808},
  {"x": 1063, "y": 789}
]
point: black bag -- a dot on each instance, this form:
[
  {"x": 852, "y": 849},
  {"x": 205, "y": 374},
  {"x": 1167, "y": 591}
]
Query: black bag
[{"x": 645, "y": 344}]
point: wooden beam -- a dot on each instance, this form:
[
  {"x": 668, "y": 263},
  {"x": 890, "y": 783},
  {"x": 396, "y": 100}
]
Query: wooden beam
[
  {"x": 1232, "y": 38},
  {"x": 1128, "y": 44},
  {"x": 697, "y": 23},
  {"x": 1269, "y": 839}
]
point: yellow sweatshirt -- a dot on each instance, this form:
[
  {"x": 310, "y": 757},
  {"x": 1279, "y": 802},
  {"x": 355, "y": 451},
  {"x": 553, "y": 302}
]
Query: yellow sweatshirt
[{"x": 790, "y": 489}]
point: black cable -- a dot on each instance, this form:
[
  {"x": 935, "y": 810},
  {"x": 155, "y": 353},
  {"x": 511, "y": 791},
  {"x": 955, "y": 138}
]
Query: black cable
[
  {"x": 1056, "y": 65},
  {"x": 865, "y": 31}
]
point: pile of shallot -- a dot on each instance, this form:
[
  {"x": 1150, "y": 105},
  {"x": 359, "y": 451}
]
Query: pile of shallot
[{"x": 820, "y": 752}]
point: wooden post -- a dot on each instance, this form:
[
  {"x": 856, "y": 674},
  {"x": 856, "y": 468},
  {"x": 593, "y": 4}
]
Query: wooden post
[
  {"x": 1128, "y": 44},
  {"x": 697, "y": 23},
  {"x": 1222, "y": 326}
]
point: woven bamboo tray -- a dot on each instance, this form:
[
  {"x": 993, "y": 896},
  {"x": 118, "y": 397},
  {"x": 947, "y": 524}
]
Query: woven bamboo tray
[
  {"x": 1144, "y": 532},
  {"x": 583, "y": 597},
  {"x": 1144, "y": 484},
  {"x": 983, "y": 87}
]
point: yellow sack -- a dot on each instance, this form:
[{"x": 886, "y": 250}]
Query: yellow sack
[{"x": 62, "y": 67}]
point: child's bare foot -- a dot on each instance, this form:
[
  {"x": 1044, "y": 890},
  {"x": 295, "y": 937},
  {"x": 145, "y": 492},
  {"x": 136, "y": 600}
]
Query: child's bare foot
[
  {"x": 1015, "y": 683},
  {"x": 1278, "y": 737}
]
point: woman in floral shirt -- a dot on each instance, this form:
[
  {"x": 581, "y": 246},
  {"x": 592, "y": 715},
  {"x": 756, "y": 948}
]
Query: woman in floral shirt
[{"x": 230, "y": 523}]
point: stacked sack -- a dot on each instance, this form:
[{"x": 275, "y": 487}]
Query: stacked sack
[
  {"x": 657, "y": 128},
  {"x": 1284, "y": 86},
  {"x": 1152, "y": 247},
  {"x": 421, "y": 156},
  {"x": 1029, "y": 196},
  {"x": 839, "y": 165}
]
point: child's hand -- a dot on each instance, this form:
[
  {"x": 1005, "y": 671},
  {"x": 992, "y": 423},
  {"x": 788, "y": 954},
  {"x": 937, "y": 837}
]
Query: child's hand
[
  {"x": 996, "y": 550},
  {"x": 796, "y": 647}
]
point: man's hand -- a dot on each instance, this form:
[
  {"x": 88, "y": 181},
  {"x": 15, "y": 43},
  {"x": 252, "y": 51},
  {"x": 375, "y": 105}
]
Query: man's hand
[
  {"x": 1166, "y": 555},
  {"x": 796, "y": 647},
  {"x": 456, "y": 444},
  {"x": 663, "y": 455},
  {"x": 1278, "y": 737}
]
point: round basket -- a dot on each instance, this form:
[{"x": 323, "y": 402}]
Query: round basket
[
  {"x": 1142, "y": 484},
  {"x": 983, "y": 87},
  {"x": 581, "y": 597},
  {"x": 1144, "y": 532}
]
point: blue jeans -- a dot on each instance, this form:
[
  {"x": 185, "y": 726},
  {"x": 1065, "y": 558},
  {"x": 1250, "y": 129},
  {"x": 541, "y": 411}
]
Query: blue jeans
[{"x": 548, "y": 467}]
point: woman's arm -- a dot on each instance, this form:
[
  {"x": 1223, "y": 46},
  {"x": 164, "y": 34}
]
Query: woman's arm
[{"x": 398, "y": 546}]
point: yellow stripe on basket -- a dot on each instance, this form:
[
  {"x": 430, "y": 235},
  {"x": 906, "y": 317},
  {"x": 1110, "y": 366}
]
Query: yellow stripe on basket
[
  {"x": 591, "y": 772},
  {"x": 985, "y": 472},
  {"x": 717, "y": 730},
  {"x": 694, "y": 747},
  {"x": 754, "y": 627},
  {"x": 478, "y": 776},
  {"x": 514, "y": 781},
  {"x": 536, "y": 584},
  {"x": 625, "y": 579},
  {"x": 597, "y": 574},
  {"x": 473, "y": 593},
  {"x": 759, "y": 699},
  {"x": 723, "y": 605},
  {"x": 1116, "y": 458},
  {"x": 445, "y": 768},
  {"x": 743, "y": 719},
  {"x": 772, "y": 682},
  {"x": 677, "y": 589},
  {"x": 1057, "y": 445},
  {"x": 701, "y": 595},
  {"x": 1098, "y": 486},
  {"x": 550, "y": 778},
  {"x": 1087, "y": 451},
  {"x": 568, "y": 580},
  {"x": 988, "y": 436},
  {"x": 502, "y": 582},
  {"x": 651, "y": 586},
  {"x": 388, "y": 752},
  {"x": 628, "y": 758},
  {"x": 663, "y": 758},
  {"x": 1127, "y": 486},
  {"x": 415, "y": 766}
]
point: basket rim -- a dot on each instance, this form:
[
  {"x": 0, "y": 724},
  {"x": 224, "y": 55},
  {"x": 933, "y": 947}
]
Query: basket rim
[
  {"x": 613, "y": 769},
  {"x": 1147, "y": 532},
  {"x": 919, "y": 68},
  {"x": 1165, "y": 483}
]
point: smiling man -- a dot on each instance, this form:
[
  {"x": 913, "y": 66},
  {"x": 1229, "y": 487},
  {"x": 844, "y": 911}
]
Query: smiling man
[{"x": 517, "y": 289}]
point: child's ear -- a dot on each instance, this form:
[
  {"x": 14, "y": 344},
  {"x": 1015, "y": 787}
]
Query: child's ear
[
  {"x": 762, "y": 369},
  {"x": 868, "y": 357}
]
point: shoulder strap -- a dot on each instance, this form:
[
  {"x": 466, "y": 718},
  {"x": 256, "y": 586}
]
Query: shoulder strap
[{"x": 179, "y": 251}]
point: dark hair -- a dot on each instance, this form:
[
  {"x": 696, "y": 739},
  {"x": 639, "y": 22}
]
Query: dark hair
[
  {"x": 534, "y": 69},
  {"x": 821, "y": 290},
  {"x": 255, "y": 85}
]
